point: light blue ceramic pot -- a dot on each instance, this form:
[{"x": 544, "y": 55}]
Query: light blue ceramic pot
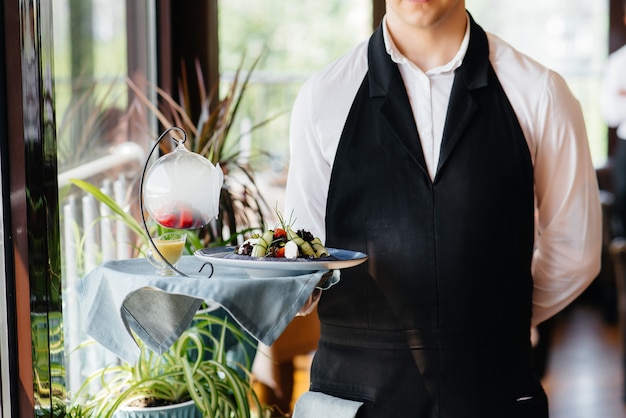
[{"x": 183, "y": 410}]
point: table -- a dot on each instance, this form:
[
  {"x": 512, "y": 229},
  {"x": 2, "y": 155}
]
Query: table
[{"x": 125, "y": 298}]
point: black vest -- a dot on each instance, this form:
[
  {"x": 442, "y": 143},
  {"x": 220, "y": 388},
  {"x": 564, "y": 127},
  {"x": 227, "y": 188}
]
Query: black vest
[{"x": 439, "y": 316}]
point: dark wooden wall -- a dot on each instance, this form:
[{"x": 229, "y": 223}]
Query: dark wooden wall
[{"x": 187, "y": 32}]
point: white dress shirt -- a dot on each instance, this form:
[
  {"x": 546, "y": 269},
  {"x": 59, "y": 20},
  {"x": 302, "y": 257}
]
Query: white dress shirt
[
  {"x": 614, "y": 92},
  {"x": 568, "y": 215}
]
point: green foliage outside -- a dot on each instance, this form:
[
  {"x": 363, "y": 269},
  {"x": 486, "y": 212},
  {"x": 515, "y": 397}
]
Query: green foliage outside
[{"x": 296, "y": 39}]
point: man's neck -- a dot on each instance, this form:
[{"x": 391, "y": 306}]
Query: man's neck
[{"x": 428, "y": 47}]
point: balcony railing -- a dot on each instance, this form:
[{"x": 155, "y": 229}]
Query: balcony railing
[{"x": 90, "y": 235}]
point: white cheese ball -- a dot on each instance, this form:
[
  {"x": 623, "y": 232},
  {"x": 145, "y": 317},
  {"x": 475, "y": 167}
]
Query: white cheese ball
[{"x": 291, "y": 250}]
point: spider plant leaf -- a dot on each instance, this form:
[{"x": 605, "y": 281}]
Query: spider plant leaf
[
  {"x": 243, "y": 88},
  {"x": 128, "y": 220},
  {"x": 139, "y": 94},
  {"x": 200, "y": 79}
]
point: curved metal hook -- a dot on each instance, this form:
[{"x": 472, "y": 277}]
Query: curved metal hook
[
  {"x": 212, "y": 268},
  {"x": 175, "y": 128},
  {"x": 141, "y": 180}
]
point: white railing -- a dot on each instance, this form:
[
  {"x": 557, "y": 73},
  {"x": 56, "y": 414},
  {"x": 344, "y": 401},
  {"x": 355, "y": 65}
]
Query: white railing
[{"x": 90, "y": 235}]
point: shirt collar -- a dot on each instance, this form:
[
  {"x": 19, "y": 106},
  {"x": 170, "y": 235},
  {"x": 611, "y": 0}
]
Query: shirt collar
[{"x": 452, "y": 65}]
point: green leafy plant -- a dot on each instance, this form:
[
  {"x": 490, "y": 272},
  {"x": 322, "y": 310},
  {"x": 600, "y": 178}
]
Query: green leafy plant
[{"x": 196, "y": 367}]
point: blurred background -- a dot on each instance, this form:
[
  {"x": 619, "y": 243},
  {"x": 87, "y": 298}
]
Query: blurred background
[{"x": 96, "y": 83}]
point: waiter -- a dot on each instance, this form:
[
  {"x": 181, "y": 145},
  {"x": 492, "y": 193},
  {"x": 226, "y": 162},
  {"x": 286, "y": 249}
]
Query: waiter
[{"x": 461, "y": 167}]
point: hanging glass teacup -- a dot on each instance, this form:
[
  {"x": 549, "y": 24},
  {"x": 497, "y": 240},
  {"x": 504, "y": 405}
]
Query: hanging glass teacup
[{"x": 181, "y": 190}]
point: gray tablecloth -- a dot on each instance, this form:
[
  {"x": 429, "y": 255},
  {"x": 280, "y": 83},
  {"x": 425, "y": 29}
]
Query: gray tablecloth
[{"x": 126, "y": 295}]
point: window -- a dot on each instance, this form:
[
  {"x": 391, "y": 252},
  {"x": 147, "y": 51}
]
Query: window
[{"x": 97, "y": 142}]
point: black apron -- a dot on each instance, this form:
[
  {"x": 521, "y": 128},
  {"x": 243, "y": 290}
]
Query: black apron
[{"x": 437, "y": 322}]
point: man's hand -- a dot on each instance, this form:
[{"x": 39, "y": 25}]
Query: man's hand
[{"x": 310, "y": 303}]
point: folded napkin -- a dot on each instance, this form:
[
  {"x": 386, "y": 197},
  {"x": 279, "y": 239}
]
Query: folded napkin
[
  {"x": 126, "y": 295},
  {"x": 320, "y": 405}
]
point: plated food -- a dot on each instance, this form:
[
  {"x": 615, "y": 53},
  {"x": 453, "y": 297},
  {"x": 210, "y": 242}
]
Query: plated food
[
  {"x": 258, "y": 267},
  {"x": 283, "y": 243},
  {"x": 281, "y": 252}
]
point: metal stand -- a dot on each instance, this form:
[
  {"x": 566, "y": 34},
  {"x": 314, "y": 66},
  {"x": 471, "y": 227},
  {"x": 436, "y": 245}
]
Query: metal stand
[{"x": 141, "y": 207}]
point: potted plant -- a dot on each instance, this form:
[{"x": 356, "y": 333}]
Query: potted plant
[{"x": 196, "y": 375}]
